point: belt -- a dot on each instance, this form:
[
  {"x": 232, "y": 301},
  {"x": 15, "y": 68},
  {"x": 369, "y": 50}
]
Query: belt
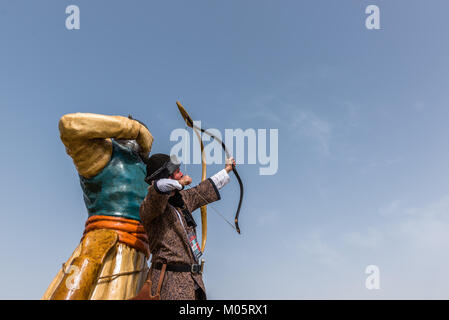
[
  {"x": 193, "y": 268},
  {"x": 130, "y": 232}
]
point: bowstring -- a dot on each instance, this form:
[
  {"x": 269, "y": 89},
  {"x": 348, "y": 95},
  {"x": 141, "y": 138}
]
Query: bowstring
[{"x": 216, "y": 210}]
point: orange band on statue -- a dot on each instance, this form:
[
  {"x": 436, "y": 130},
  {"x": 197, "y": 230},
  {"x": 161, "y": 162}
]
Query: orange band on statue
[{"x": 130, "y": 232}]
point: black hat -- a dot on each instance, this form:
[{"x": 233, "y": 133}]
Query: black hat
[{"x": 160, "y": 166}]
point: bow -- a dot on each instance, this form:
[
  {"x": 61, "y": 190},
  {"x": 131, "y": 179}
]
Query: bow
[{"x": 189, "y": 123}]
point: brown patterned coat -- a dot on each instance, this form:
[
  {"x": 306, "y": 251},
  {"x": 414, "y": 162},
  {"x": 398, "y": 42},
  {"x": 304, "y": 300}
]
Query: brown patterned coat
[{"x": 168, "y": 239}]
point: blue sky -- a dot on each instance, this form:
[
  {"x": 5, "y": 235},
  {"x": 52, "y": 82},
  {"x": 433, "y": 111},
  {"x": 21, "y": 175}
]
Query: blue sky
[{"x": 362, "y": 119}]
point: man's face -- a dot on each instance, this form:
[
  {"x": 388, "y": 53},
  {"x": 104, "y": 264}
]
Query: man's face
[{"x": 177, "y": 175}]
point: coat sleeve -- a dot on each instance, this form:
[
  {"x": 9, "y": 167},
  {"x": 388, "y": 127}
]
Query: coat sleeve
[
  {"x": 86, "y": 137},
  {"x": 204, "y": 193},
  {"x": 153, "y": 205}
]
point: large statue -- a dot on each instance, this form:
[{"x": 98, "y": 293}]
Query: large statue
[{"x": 110, "y": 155}]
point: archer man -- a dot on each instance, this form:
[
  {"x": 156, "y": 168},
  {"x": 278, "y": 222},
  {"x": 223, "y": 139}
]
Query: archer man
[
  {"x": 166, "y": 213},
  {"x": 110, "y": 155}
]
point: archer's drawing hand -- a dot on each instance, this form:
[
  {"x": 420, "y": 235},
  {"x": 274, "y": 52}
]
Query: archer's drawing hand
[
  {"x": 229, "y": 164},
  {"x": 185, "y": 180}
]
